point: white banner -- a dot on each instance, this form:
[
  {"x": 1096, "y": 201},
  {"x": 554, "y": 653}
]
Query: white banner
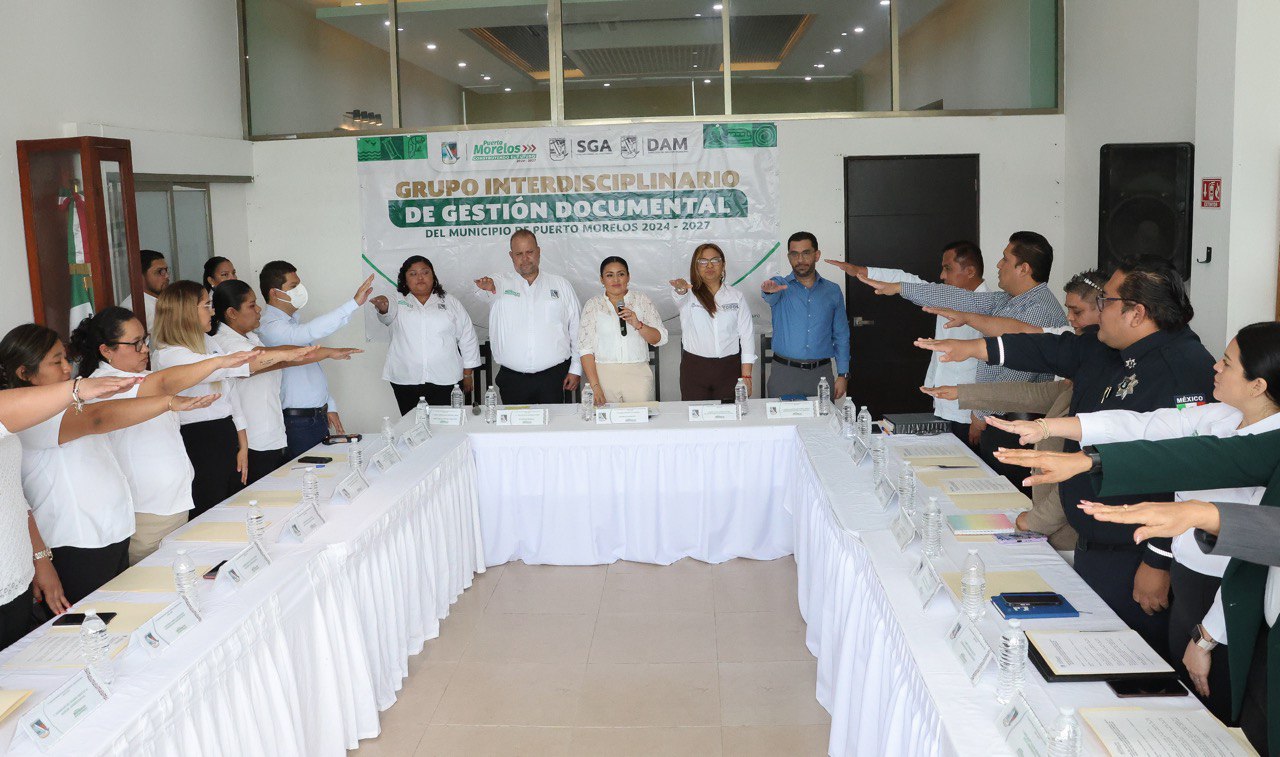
[{"x": 650, "y": 193}]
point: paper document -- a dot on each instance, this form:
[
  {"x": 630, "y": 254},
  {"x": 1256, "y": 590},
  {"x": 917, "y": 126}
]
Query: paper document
[
  {"x": 266, "y": 498},
  {"x": 59, "y": 650},
  {"x": 155, "y": 579},
  {"x": 967, "y": 486},
  {"x": 1001, "y": 582},
  {"x": 232, "y": 531},
  {"x": 1097, "y": 652},
  {"x": 10, "y": 701},
  {"x": 1141, "y": 732},
  {"x": 937, "y": 478}
]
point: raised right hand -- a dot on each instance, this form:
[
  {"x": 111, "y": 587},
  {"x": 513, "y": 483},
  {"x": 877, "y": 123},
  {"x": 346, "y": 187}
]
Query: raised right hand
[
  {"x": 769, "y": 286},
  {"x": 237, "y": 359},
  {"x": 942, "y": 392},
  {"x": 955, "y": 318},
  {"x": 680, "y": 285},
  {"x": 362, "y": 294},
  {"x": 1028, "y": 432},
  {"x": 343, "y": 353},
  {"x": 180, "y": 403},
  {"x": 106, "y": 386},
  {"x": 381, "y": 303},
  {"x": 486, "y": 283},
  {"x": 849, "y": 268},
  {"x": 1055, "y": 467}
]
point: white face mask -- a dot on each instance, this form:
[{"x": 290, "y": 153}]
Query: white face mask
[{"x": 297, "y": 297}]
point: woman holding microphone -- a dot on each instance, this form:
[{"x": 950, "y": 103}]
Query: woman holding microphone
[
  {"x": 433, "y": 344},
  {"x": 716, "y": 338},
  {"x": 614, "y": 335}
]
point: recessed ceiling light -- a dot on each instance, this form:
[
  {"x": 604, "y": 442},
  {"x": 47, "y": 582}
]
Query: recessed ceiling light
[
  {"x": 706, "y": 81},
  {"x": 359, "y": 4},
  {"x": 506, "y": 89},
  {"x": 399, "y": 28},
  {"x": 717, "y": 7},
  {"x": 819, "y": 65},
  {"x": 431, "y": 45},
  {"x": 607, "y": 84},
  {"x": 697, "y": 15},
  {"x": 808, "y": 78},
  {"x": 462, "y": 64},
  {"x": 486, "y": 77},
  {"x": 844, "y": 34},
  {"x": 858, "y": 30},
  {"x": 386, "y": 23},
  {"x": 837, "y": 50},
  {"x": 884, "y": 2}
]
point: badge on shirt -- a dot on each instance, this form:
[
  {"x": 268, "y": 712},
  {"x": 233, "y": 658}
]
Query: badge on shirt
[
  {"x": 555, "y": 294},
  {"x": 1190, "y": 400},
  {"x": 1126, "y": 386},
  {"x": 441, "y": 306}
]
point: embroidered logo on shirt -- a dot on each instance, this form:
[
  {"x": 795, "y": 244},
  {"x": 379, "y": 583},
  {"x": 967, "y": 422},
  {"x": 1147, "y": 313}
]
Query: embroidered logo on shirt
[
  {"x": 511, "y": 292},
  {"x": 555, "y": 294},
  {"x": 729, "y": 306},
  {"x": 1190, "y": 400},
  {"x": 440, "y": 306}
]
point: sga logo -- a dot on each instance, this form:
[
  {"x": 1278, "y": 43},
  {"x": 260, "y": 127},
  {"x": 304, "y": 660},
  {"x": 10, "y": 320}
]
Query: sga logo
[{"x": 593, "y": 147}]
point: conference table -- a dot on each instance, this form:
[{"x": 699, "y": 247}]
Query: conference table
[{"x": 302, "y": 658}]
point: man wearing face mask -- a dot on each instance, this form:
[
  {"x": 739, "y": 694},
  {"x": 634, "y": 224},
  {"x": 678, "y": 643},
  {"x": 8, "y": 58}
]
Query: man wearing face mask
[{"x": 309, "y": 410}]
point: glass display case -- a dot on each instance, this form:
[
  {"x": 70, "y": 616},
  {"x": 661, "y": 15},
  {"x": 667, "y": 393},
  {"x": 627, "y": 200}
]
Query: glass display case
[{"x": 81, "y": 227}]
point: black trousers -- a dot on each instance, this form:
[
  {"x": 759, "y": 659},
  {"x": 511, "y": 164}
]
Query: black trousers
[
  {"x": 1253, "y": 713},
  {"x": 993, "y": 439},
  {"x": 82, "y": 570},
  {"x": 262, "y": 462},
  {"x": 407, "y": 395},
  {"x": 212, "y": 447},
  {"x": 541, "y": 388},
  {"x": 709, "y": 378},
  {"x": 15, "y": 618},
  {"x": 1193, "y": 596},
  {"x": 1110, "y": 574}
]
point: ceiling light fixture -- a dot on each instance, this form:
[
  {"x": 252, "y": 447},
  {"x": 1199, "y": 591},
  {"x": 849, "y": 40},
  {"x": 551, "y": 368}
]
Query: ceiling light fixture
[
  {"x": 695, "y": 65},
  {"x": 431, "y": 45},
  {"x": 462, "y": 64},
  {"x": 884, "y": 2},
  {"x": 717, "y": 7},
  {"x": 607, "y": 84},
  {"x": 837, "y": 50},
  {"x": 808, "y": 78},
  {"x": 697, "y": 15},
  {"x": 706, "y": 81},
  {"x": 399, "y": 28},
  {"x": 386, "y": 23},
  {"x": 844, "y": 34},
  {"x": 858, "y": 30},
  {"x": 819, "y": 65},
  {"x": 506, "y": 89},
  {"x": 486, "y": 77}
]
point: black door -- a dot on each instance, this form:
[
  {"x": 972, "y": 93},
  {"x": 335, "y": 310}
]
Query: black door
[{"x": 899, "y": 212}]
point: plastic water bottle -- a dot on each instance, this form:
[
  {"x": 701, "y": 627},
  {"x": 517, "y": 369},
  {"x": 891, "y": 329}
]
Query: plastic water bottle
[
  {"x": 864, "y": 425},
  {"x": 455, "y": 397},
  {"x": 355, "y": 457},
  {"x": 932, "y": 528},
  {"x": 310, "y": 487},
  {"x": 824, "y": 396},
  {"x": 388, "y": 431},
  {"x": 1064, "y": 737},
  {"x": 848, "y": 420},
  {"x": 184, "y": 577},
  {"x": 255, "y": 523},
  {"x": 740, "y": 397},
  {"x": 95, "y": 648},
  {"x": 490, "y": 405},
  {"x": 587, "y": 411},
  {"x": 907, "y": 488},
  {"x": 877, "y": 458},
  {"x": 1013, "y": 662},
  {"x": 973, "y": 586},
  {"x": 422, "y": 413}
]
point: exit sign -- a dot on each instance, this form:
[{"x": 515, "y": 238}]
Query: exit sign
[{"x": 1211, "y": 193}]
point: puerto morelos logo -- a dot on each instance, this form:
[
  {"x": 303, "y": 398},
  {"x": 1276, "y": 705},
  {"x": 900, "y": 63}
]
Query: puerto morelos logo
[
  {"x": 501, "y": 149},
  {"x": 558, "y": 148},
  {"x": 448, "y": 153},
  {"x": 630, "y": 146}
]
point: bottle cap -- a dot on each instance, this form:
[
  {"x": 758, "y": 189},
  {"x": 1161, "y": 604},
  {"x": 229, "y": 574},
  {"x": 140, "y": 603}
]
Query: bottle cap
[{"x": 1067, "y": 711}]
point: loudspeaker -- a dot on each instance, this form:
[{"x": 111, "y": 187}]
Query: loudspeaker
[{"x": 1144, "y": 203}]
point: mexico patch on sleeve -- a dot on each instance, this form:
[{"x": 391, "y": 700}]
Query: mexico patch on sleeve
[{"x": 1190, "y": 400}]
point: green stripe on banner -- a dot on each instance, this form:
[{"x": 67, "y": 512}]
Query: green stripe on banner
[
  {"x": 377, "y": 270},
  {"x": 722, "y": 136},
  {"x": 759, "y": 263},
  {"x": 395, "y": 147}
]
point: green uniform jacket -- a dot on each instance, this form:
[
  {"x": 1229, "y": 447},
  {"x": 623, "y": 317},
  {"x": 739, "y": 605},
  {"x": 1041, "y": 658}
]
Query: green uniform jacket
[{"x": 1208, "y": 462}]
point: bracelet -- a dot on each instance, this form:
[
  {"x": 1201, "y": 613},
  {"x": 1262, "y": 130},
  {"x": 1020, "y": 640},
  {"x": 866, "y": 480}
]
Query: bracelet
[
  {"x": 44, "y": 554},
  {"x": 75, "y": 394},
  {"x": 682, "y": 291},
  {"x": 1044, "y": 428},
  {"x": 170, "y": 403}
]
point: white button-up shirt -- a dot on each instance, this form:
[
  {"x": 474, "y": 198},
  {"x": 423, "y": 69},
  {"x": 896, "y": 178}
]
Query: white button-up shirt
[
  {"x": 152, "y": 456},
  {"x": 1216, "y": 419},
  {"x": 77, "y": 491},
  {"x": 259, "y": 395},
  {"x": 533, "y": 327},
  {"x": 939, "y": 373},
  {"x": 726, "y": 333},
  {"x": 222, "y": 381},
  {"x": 431, "y": 342},
  {"x": 303, "y": 386},
  {"x": 148, "y": 307},
  {"x": 600, "y": 330}
]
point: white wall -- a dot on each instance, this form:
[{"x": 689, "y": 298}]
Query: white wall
[
  {"x": 163, "y": 73},
  {"x": 302, "y": 207}
]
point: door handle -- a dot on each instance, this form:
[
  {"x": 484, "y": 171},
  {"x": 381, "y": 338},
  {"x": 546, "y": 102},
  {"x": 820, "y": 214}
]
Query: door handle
[{"x": 858, "y": 321}]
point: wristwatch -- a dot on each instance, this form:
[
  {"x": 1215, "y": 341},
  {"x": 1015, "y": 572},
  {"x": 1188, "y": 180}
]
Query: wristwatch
[
  {"x": 1095, "y": 460},
  {"x": 1202, "y": 638},
  {"x": 44, "y": 554}
]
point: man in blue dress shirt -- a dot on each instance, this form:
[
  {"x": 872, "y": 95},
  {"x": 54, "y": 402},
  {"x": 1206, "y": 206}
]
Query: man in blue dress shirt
[{"x": 810, "y": 325}]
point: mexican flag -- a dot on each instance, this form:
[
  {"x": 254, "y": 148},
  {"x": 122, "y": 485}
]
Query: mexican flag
[{"x": 81, "y": 274}]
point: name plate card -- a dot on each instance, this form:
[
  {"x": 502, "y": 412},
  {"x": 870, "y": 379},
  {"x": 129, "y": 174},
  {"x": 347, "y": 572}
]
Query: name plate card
[
  {"x": 622, "y": 415},
  {"x": 446, "y": 416},
  {"x": 70, "y": 703},
  {"x": 1023, "y": 732},
  {"x": 527, "y": 416},
  {"x": 300, "y": 523},
  {"x": 351, "y": 486},
  {"x": 886, "y": 492},
  {"x": 791, "y": 409},
  {"x": 970, "y": 649},
  {"x": 384, "y": 458},
  {"x": 166, "y": 627},
  {"x": 904, "y": 530},
  {"x": 859, "y": 450},
  {"x": 417, "y": 436},
  {"x": 243, "y": 566},
  {"x": 705, "y": 413},
  {"x": 925, "y": 580}
]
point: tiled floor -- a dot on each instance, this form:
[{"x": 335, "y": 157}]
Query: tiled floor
[{"x": 625, "y": 659}]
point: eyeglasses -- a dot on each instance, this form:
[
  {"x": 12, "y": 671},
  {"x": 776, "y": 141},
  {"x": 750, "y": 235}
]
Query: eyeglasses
[
  {"x": 802, "y": 254},
  {"x": 136, "y": 344},
  {"x": 704, "y": 262},
  {"x": 1101, "y": 301}
]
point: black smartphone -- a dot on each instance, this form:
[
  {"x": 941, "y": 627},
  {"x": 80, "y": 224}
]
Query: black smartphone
[
  {"x": 1032, "y": 599},
  {"x": 212, "y": 573},
  {"x": 315, "y": 460},
  {"x": 76, "y": 618},
  {"x": 1147, "y": 686}
]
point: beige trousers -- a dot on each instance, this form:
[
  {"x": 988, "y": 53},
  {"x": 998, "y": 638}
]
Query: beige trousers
[
  {"x": 626, "y": 382},
  {"x": 149, "y": 530}
]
